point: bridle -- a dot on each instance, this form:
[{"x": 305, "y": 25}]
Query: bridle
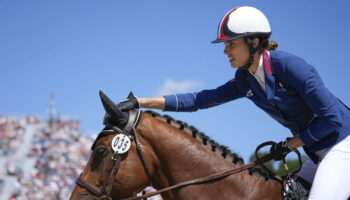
[{"x": 130, "y": 130}]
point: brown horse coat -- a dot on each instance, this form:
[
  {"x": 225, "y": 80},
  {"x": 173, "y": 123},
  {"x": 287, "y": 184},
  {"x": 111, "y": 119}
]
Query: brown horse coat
[{"x": 175, "y": 153}]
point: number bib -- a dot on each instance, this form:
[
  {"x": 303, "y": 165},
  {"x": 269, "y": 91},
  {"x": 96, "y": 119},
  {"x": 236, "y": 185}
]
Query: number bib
[{"x": 121, "y": 143}]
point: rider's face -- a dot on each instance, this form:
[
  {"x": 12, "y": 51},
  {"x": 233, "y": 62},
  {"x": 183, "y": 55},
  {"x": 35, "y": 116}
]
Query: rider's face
[{"x": 237, "y": 51}]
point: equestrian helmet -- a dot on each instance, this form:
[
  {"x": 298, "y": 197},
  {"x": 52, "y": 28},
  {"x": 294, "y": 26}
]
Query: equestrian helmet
[{"x": 242, "y": 21}]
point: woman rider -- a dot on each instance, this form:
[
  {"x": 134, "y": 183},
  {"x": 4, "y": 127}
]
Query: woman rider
[{"x": 285, "y": 87}]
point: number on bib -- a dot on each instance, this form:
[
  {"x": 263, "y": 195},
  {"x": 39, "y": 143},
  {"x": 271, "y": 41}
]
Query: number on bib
[{"x": 121, "y": 143}]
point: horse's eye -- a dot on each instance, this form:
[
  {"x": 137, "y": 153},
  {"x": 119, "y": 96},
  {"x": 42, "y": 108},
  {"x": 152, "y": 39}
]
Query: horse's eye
[
  {"x": 101, "y": 150},
  {"x": 99, "y": 154}
]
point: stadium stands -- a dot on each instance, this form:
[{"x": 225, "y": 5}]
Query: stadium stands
[{"x": 41, "y": 160}]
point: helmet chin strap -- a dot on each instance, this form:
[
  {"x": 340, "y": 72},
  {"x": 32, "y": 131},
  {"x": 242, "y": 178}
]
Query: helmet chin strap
[{"x": 252, "y": 51}]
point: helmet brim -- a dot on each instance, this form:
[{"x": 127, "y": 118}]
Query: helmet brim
[
  {"x": 254, "y": 34},
  {"x": 218, "y": 40}
]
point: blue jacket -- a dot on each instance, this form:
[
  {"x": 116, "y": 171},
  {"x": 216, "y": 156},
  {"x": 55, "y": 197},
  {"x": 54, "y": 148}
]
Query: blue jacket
[{"x": 295, "y": 96}]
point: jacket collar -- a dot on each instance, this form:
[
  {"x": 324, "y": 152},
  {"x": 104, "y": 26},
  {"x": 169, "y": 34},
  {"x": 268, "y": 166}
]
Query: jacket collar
[{"x": 269, "y": 78}]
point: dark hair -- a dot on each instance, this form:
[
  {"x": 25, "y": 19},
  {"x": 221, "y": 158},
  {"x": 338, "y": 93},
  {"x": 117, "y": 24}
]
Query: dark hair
[{"x": 266, "y": 44}]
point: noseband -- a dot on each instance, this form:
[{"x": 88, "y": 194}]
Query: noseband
[{"x": 130, "y": 130}]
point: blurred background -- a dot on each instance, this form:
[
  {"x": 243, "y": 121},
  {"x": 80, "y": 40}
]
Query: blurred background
[{"x": 56, "y": 55}]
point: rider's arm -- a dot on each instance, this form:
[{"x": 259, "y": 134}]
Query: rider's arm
[
  {"x": 305, "y": 79},
  {"x": 190, "y": 102},
  {"x": 152, "y": 103},
  {"x": 193, "y": 101}
]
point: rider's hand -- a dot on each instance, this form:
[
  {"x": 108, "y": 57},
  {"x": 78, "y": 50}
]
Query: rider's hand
[
  {"x": 279, "y": 150},
  {"x": 129, "y": 104}
]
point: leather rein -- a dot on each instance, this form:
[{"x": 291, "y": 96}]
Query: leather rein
[{"x": 130, "y": 130}]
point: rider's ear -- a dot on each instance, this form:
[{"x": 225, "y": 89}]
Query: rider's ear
[{"x": 256, "y": 42}]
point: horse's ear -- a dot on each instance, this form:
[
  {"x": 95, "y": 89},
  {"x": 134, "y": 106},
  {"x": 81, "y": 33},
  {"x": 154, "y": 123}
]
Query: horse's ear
[{"x": 112, "y": 109}]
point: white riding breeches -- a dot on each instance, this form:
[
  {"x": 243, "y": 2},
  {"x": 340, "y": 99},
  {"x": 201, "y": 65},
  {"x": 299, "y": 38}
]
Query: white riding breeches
[{"x": 330, "y": 178}]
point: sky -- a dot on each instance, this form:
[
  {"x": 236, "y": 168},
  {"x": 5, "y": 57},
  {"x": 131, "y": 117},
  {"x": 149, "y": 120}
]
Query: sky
[{"x": 74, "y": 48}]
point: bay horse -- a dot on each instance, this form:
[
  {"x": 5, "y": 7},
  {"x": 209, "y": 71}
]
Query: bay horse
[{"x": 173, "y": 152}]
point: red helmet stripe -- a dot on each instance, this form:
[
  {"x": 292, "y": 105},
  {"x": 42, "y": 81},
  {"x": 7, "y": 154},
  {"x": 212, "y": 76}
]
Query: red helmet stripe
[{"x": 221, "y": 35}]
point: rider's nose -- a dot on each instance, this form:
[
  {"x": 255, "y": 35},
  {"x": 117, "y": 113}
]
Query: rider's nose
[{"x": 226, "y": 50}]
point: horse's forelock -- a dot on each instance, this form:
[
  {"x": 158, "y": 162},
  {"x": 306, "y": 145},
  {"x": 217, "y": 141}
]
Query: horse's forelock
[{"x": 105, "y": 132}]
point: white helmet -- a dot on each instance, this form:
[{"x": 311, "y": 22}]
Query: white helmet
[{"x": 241, "y": 22}]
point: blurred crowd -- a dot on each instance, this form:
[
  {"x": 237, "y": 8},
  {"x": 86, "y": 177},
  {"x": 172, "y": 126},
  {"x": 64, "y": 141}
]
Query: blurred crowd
[
  {"x": 60, "y": 150},
  {"x": 61, "y": 153},
  {"x": 11, "y": 133}
]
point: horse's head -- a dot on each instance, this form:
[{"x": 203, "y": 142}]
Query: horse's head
[{"x": 108, "y": 172}]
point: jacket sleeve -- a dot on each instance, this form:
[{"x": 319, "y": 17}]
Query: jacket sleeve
[
  {"x": 305, "y": 79},
  {"x": 189, "y": 102}
]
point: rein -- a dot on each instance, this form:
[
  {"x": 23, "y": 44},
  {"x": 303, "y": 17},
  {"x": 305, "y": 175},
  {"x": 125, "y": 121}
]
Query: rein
[{"x": 212, "y": 177}]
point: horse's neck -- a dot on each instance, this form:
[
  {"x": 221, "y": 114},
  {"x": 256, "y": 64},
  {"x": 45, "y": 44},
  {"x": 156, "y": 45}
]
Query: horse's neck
[
  {"x": 182, "y": 157},
  {"x": 179, "y": 150}
]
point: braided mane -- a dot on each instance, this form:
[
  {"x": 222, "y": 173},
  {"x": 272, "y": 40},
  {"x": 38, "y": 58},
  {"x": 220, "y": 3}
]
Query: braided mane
[
  {"x": 224, "y": 151},
  {"x": 206, "y": 140}
]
